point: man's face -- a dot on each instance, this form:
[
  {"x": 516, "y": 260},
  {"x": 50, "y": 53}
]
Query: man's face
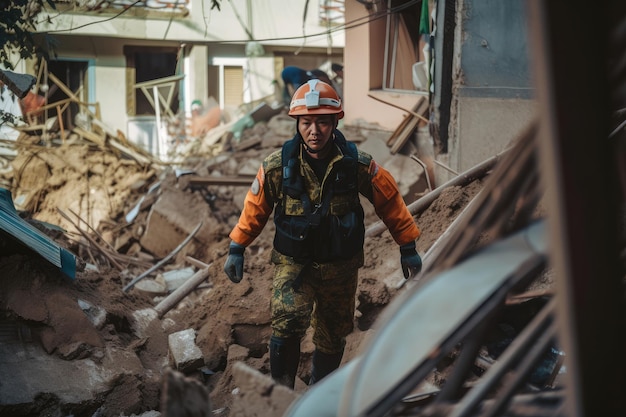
[{"x": 316, "y": 130}]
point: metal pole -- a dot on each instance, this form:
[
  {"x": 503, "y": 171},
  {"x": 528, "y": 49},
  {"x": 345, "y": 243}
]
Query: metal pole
[{"x": 157, "y": 110}]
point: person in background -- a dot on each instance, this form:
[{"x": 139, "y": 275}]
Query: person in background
[
  {"x": 313, "y": 185},
  {"x": 203, "y": 118},
  {"x": 293, "y": 77},
  {"x": 337, "y": 80},
  {"x": 318, "y": 74}
]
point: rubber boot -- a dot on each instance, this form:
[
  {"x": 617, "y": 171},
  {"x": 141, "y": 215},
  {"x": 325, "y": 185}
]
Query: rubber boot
[
  {"x": 324, "y": 364},
  {"x": 284, "y": 359}
]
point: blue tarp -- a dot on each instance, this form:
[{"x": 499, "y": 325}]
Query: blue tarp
[{"x": 33, "y": 238}]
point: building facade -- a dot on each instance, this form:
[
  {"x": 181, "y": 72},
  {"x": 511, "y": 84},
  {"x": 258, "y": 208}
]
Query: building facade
[{"x": 130, "y": 55}]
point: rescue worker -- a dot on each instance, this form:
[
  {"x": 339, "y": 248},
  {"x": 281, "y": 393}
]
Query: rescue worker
[
  {"x": 293, "y": 77},
  {"x": 312, "y": 184}
]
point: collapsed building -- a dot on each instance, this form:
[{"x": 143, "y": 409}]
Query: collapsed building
[{"x": 130, "y": 331}]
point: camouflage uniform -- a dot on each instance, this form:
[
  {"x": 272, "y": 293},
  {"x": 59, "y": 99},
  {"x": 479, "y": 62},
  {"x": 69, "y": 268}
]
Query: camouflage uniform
[
  {"x": 314, "y": 292},
  {"x": 314, "y": 186},
  {"x": 325, "y": 292},
  {"x": 325, "y": 298}
]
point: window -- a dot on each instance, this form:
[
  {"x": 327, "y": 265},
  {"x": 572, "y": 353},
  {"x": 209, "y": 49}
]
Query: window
[
  {"x": 231, "y": 81},
  {"x": 72, "y": 74},
  {"x": 403, "y": 44},
  {"x": 150, "y": 64}
]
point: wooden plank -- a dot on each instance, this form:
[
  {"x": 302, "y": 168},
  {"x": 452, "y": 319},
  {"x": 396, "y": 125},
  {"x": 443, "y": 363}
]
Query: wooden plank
[
  {"x": 409, "y": 128},
  {"x": 181, "y": 292},
  {"x": 404, "y": 122},
  {"x": 63, "y": 87},
  {"x": 401, "y": 136},
  {"x": 90, "y": 136},
  {"x": 60, "y": 119},
  {"x": 141, "y": 159}
]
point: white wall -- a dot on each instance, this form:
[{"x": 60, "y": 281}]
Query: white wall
[
  {"x": 207, "y": 33},
  {"x": 485, "y": 127},
  {"x": 110, "y": 82},
  {"x": 274, "y": 22}
]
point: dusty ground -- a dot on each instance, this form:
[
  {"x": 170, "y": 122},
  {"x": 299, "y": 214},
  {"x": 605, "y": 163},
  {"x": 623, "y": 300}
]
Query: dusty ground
[{"x": 100, "y": 187}]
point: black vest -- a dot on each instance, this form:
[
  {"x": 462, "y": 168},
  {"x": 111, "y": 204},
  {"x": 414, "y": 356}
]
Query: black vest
[{"x": 333, "y": 228}]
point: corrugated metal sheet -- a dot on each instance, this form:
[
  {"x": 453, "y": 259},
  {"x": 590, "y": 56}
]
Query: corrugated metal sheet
[{"x": 30, "y": 236}]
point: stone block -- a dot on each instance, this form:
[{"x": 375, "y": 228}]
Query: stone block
[
  {"x": 258, "y": 395},
  {"x": 184, "y": 352}
]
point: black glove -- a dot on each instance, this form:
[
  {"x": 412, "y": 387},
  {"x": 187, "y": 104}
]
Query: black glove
[
  {"x": 410, "y": 260},
  {"x": 234, "y": 263}
]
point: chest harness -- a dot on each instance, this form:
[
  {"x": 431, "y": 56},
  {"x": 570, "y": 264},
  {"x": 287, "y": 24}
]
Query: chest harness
[{"x": 331, "y": 229}]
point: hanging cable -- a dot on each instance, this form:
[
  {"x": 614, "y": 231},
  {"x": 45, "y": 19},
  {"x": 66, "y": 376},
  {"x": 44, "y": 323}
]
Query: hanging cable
[
  {"x": 306, "y": 9},
  {"x": 364, "y": 20},
  {"x": 243, "y": 25}
]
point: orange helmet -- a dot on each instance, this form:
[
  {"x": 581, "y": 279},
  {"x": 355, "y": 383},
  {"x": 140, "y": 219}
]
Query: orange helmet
[{"x": 315, "y": 97}]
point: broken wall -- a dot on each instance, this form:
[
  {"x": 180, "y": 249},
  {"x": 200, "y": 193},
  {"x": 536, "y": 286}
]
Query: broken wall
[{"x": 490, "y": 99}]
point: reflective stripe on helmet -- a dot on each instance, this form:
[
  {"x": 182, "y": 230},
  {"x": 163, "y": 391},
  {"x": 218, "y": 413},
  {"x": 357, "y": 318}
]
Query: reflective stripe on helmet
[
  {"x": 310, "y": 104},
  {"x": 315, "y": 97},
  {"x": 312, "y": 98}
]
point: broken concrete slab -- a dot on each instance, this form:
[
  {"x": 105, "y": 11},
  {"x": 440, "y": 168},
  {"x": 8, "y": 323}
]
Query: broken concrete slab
[
  {"x": 27, "y": 371},
  {"x": 264, "y": 112},
  {"x": 183, "y": 396},
  {"x": 186, "y": 355},
  {"x": 250, "y": 168},
  {"x": 171, "y": 219},
  {"x": 280, "y": 127},
  {"x": 142, "y": 320},
  {"x": 177, "y": 277},
  {"x": 258, "y": 395}
]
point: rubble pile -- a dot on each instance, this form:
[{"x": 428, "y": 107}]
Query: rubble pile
[{"x": 105, "y": 343}]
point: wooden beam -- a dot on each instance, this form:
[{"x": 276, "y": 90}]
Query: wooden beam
[{"x": 402, "y": 133}]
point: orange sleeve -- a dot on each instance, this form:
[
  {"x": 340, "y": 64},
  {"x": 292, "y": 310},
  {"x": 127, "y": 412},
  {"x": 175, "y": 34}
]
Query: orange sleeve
[
  {"x": 390, "y": 207},
  {"x": 256, "y": 211}
]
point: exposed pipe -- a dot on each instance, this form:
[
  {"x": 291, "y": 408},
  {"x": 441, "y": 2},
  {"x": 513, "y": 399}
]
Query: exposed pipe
[{"x": 423, "y": 165}]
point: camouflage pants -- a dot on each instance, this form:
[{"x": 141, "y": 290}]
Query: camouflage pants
[{"x": 324, "y": 298}]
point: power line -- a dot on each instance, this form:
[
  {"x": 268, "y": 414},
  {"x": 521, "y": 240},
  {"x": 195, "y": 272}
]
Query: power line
[
  {"x": 90, "y": 23},
  {"x": 346, "y": 26}
]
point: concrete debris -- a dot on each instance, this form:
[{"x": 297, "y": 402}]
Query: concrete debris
[
  {"x": 33, "y": 370},
  {"x": 96, "y": 315},
  {"x": 112, "y": 348},
  {"x": 258, "y": 395},
  {"x": 183, "y": 396},
  {"x": 173, "y": 217},
  {"x": 142, "y": 321},
  {"x": 186, "y": 355}
]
